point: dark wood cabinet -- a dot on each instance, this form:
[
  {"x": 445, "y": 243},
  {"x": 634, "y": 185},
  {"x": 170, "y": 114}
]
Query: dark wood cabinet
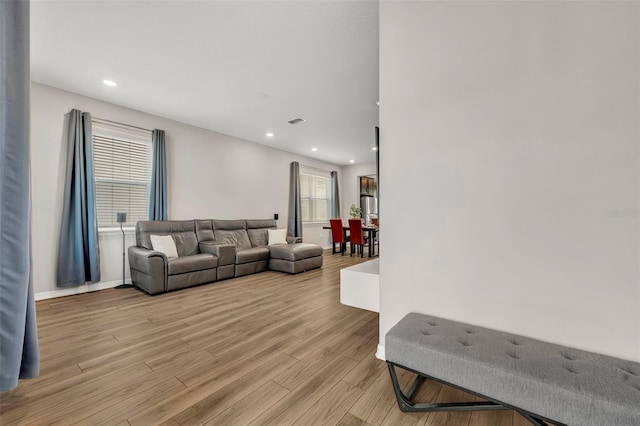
[{"x": 368, "y": 186}]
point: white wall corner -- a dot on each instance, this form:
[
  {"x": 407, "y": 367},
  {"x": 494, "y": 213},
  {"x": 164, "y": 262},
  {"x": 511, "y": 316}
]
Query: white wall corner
[
  {"x": 505, "y": 219},
  {"x": 380, "y": 352}
]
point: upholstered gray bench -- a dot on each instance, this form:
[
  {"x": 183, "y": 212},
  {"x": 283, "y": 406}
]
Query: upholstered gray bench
[
  {"x": 542, "y": 381},
  {"x": 295, "y": 258}
]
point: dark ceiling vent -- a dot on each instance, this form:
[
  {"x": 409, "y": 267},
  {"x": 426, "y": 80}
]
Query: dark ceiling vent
[{"x": 297, "y": 121}]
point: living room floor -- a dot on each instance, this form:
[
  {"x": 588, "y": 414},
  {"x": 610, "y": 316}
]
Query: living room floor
[{"x": 270, "y": 349}]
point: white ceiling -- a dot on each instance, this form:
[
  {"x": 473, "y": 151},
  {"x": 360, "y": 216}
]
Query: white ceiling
[{"x": 206, "y": 62}]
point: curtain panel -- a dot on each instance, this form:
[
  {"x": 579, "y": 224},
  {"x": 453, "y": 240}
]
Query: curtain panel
[
  {"x": 335, "y": 196},
  {"x": 158, "y": 187},
  {"x": 294, "y": 224},
  {"x": 19, "y": 354},
  {"x": 78, "y": 252}
]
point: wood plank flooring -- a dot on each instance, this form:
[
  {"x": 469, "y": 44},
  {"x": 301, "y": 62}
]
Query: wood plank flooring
[{"x": 266, "y": 349}]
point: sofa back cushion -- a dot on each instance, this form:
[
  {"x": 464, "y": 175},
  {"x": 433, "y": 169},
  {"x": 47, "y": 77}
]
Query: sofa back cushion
[
  {"x": 145, "y": 228},
  {"x": 228, "y": 225},
  {"x": 204, "y": 230},
  {"x": 257, "y": 230},
  {"x": 186, "y": 243},
  {"x": 231, "y": 232}
]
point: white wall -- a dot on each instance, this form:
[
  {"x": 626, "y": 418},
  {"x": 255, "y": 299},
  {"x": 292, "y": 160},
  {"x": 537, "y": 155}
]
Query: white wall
[
  {"x": 210, "y": 175},
  {"x": 351, "y": 185},
  {"x": 510, "y": 136}
]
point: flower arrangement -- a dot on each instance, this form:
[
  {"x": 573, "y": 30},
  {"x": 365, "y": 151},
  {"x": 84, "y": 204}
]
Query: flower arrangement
[{"x": 355, "y": 211}]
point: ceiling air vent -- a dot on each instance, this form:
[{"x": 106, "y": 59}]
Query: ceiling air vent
[{"x": 297, "y": 121}]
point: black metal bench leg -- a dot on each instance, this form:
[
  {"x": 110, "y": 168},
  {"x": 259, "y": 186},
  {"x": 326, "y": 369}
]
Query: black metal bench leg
[
  {"x": 533, "y": 420},
  {"x": 406, "y": 403}
]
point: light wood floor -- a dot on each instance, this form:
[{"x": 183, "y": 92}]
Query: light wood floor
[{"x": 267, "y": 349}]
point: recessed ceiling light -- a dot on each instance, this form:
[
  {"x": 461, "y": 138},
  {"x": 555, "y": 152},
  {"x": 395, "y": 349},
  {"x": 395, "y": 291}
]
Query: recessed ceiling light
[
  {"x": 352, "y": 161},
  {"x": 110, "y": 83},
  {"x": 270, "y": 135},
  {"x": 378, "y": 103},
  {"x": 297, "y": 121},
  {"x": 314, "y": 149},
  {"x": 374, "y": 148}
]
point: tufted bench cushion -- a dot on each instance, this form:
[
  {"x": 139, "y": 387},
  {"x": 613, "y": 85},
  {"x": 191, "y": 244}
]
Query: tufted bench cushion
[
  {"x": 295, "y": 258},
  {"x": 555, "y": 382}
]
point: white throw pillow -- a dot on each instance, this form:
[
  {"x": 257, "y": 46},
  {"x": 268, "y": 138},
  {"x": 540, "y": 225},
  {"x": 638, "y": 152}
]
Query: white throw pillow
[
  {"x": 164, "y": 244},
  {"x": 277, "y": 236}
]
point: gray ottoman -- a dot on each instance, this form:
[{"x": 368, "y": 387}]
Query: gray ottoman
[{"x": 295, "y": 258}]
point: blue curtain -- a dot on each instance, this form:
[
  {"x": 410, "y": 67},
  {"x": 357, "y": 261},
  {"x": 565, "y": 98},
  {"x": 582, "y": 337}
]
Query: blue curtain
[
  {"x": 335, "y": 196},
  {"x": 158, "y": 189},
  {"x": 78, "y": 252},
  {"x": 294, "y": 228},
  {"x": 19, "y": 355}
]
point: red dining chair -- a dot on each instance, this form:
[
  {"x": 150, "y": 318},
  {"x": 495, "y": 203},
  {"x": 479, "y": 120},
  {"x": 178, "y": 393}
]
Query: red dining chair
[
  {"x": 356, "y": 235},
  {"x": 338, "y": 236}
]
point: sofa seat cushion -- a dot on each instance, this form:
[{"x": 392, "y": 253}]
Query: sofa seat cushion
[
  {"x": 196, "y": 262},
  {"x": 254, "y": 254},
  {"x": 295, "y": 252}
]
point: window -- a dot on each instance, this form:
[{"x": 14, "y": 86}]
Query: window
[
  {"x": 315, "y": 195},
  {"x": 122, "y": 163}
]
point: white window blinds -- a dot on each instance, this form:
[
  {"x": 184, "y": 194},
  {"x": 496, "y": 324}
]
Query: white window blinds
[
  {"x": 315, "y": 194},
  {"x": 122, "y": 163}
]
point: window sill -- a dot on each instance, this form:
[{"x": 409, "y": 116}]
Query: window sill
[
  {"x": 113, "y": 230},
  {"x": 323, "y": 222}
]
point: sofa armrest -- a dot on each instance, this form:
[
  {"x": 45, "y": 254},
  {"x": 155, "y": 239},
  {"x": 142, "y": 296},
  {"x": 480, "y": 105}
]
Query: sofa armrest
[
  {"x": 150, "y": 263},
  {"x": 294, "y": 240},
  {"x": 226, "y": 252},
  {"x": 143, "y": 260}
]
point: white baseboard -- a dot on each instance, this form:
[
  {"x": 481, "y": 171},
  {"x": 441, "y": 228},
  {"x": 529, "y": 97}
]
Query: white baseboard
[
  {"x": 77, "y": 290},
  {"x": 380, "y": 352}
]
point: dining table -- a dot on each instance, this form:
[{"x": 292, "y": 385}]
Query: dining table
[{"x": 371, "y": 230}]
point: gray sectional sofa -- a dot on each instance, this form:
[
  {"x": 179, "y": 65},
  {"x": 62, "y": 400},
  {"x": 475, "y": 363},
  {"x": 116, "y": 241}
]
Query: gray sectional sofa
[{"x": 212, "y": 250}]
